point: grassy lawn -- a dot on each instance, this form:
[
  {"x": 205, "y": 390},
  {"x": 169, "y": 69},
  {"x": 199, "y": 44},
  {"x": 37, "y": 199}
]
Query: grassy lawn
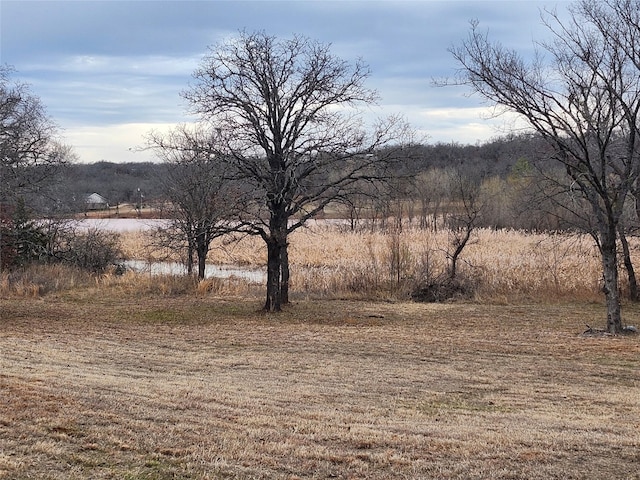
[{"x": 176, "y": 387}]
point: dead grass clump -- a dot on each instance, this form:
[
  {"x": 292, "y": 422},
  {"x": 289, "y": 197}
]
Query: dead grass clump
[
  {"x": 231, "y": 286},
  {"x": 132, "y": 283},
  {"x": 140, "y": 284},
  {"x": 36, "y": 280}
]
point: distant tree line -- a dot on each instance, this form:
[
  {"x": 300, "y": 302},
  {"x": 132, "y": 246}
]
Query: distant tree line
[
  {"x": 498, "y": 158},
  {"x": 117, "y": 182}
]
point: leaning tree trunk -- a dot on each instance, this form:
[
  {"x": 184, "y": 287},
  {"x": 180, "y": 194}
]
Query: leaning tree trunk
[
  {"x": 628, "y": 265},
  {"x": 460, "y": 242},
  {"x": 610, "y": 276}
]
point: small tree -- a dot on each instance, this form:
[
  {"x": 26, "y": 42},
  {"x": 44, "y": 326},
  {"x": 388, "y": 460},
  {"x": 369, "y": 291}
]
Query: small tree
[
  {"x": 287, "y": 121},
  {"x": 462, "y": 220},
  {"x": 30, "y": 157},
  {"x": 585, "y": 104},
  {"x": 203, "y": 200}
]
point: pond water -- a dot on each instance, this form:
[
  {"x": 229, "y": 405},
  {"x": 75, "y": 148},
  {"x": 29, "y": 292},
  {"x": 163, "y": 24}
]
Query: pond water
[
  {"x": 122, "y": 225},
  {"x": 211, "y": 271}
]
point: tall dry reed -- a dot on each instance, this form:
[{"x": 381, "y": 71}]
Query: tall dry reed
[
  {"x": 499, "y": 263},
  {"x": 329, "y": 260},
  {"x": 37, "y": 280}
]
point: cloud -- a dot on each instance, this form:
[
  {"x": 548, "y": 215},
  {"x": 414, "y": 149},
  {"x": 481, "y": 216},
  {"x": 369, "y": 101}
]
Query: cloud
[
  {"x": 120, "y": 143},
  {"x": 117, "y": 67},
  {"x": 106, "y": 90}
]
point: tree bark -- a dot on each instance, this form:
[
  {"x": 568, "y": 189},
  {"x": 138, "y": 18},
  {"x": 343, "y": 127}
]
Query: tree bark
[
  {"x": 610, "y": 275},
  {"x": 628, "y": 265},
  {"x": 284, "y": 274},
  {"x": 190, "y": 251},
  {"x": 202, "y": 262},
  {"x": 273, "y": 302}
]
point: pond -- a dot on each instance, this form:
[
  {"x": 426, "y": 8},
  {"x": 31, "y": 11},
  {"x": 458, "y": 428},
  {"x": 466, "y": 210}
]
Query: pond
[
  {"x": 211, "y": 271},
  {"x": 122, "y": 225}
]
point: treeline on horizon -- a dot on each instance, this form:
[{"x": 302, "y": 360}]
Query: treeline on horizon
[{"x": 122, "y": 183}]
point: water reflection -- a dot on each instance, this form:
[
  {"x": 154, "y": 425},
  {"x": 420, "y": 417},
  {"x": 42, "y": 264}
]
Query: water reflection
[
  {"x": 121, "y": 225},
  {"x": 211, "y": 271}
]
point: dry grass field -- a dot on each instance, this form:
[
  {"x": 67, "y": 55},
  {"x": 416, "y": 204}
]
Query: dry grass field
[
  {"x": 105, "y": 383},
  {"x": 143, "y": 377}
]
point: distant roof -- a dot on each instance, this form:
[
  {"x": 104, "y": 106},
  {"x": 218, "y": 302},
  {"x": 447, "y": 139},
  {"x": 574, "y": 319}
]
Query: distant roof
[{"x": 96, "y": 198}]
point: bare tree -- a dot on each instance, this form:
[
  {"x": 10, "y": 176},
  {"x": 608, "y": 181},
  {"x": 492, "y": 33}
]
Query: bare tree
[
  {"x": 202, "y": 198},
  {"x": 466, "y": 209},
  {"x": 29, "y": 152},
  {"x": 584, "y": 102},
  {"x": 30, "y": 157},
  {"x": 286, "y": 112}
]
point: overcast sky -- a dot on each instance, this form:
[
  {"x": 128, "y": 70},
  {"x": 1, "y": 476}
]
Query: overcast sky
[{"x": 110, "y": 71}]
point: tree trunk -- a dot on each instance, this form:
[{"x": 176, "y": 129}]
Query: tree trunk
[
  {"x": 276, "y": 242},
  {"x": 190, "y": 251},
  {"x": 202, "y": 259},
  {"x": 628, "y": 265},
  {"x": 460, "y": 242},
  {"x": 273, "y": 302},
  {"x": 610, "y": 276},
  {"x": 284, "y": 272}
]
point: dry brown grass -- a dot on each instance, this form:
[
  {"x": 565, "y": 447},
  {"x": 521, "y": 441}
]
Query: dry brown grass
[
  {"x": 103, "y": 384},
  {"x": 502, "y": 266},
  {"x": 37, "y": 280}
]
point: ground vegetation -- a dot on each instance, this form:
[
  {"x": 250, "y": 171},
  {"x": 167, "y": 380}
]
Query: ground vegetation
[{"x": 118, "y": 385}]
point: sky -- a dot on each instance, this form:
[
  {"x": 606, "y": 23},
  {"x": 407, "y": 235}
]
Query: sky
[{"x": 110, "y": 71}]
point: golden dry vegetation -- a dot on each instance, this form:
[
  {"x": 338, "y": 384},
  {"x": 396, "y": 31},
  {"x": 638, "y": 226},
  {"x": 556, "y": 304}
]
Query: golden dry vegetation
[
  {"x": 103, "y": 383},
  {"x": 328, "y": 260}
]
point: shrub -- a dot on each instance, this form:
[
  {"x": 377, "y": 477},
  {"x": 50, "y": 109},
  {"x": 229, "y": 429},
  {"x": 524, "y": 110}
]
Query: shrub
[
  {"x": 94, "y": 250},
  {"x": 443, "y": 288}
]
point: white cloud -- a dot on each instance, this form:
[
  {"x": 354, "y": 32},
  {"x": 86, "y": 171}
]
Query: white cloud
[
  {"x": 113, "y": 143},
  {"x": 149, "y": 65}
]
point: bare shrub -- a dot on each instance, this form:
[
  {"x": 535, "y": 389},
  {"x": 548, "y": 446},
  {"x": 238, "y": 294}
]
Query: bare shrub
[
  {"x": 94, "y": 250},
  {"x": 443, "y": 288}
]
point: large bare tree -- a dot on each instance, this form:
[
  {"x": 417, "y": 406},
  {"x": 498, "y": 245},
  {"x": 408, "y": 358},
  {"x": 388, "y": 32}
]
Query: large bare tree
[
  {"x": 286, "y": 118},
  {"x": 581, "y": 93}
]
